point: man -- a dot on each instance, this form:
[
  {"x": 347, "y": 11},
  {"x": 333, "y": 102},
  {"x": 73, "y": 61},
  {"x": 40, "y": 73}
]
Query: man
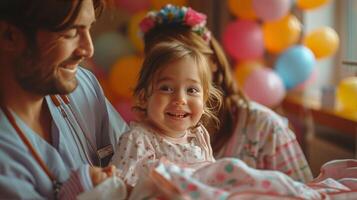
[{"x": 54, "y": 119}]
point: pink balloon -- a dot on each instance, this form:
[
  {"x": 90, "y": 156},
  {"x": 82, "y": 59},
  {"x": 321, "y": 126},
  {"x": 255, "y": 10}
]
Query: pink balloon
[
  {"x": 243, "y": 40},
  {"x": 133, "y": 5},
  {"x": 123, "y": 106},
  {"x": 270, "y": 10},
  {"x": 264, "y": 86}
]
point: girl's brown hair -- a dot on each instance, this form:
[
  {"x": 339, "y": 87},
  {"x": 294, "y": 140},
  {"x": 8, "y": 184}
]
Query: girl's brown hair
[
  {"x": 161, "y": 55},
  {"x": 233, "y": 99}
]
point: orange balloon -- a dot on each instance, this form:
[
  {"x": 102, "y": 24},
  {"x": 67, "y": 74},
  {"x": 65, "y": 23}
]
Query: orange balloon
[
  {"x": 310, "y": 4},
  {"x": 134, "y": 32},
  {"x": 242, "y": 8},
  {"x": 158, "y": 4},
  {"x": 108, "y": 91},
  {"x": 323, "y": 42},
  {"x": 281, "y": 34},
  {"x": 123, "y": 75},
  {"x": 244, "y": 69}
]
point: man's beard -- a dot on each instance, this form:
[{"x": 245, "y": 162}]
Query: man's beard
[{"x": 40, "y": 78}]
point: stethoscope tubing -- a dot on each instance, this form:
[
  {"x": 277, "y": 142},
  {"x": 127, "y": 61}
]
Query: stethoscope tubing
[{"x": 70, "y": 119}]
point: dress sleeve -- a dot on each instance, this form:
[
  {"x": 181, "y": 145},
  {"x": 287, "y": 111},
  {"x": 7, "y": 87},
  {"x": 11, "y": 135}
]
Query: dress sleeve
[
  {"x": 281, "y": 151},
  {"x": 134, "y": 153},
  {"x": 204, "y": 139}
]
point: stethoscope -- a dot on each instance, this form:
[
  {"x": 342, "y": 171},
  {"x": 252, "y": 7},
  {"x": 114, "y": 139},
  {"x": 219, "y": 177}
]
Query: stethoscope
[{"x": 62, "y": 102}]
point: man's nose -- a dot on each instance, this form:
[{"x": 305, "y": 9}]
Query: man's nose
[{"x": 85, "y": 48}]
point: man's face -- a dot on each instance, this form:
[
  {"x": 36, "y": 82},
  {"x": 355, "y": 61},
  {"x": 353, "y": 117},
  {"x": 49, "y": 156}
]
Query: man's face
[{"x": 50, "y": 67}]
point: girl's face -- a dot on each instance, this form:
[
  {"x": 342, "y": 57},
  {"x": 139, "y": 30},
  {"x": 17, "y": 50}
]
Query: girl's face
[{"x": 176, "y": 103}]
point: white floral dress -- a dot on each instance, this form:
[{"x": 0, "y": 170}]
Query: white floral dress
[{"x": 141, "y": 147}]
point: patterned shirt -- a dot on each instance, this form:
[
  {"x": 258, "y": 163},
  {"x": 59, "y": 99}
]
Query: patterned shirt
[
  {"x": 266, "y": 142},
  {"x": 141, "y": 147}
]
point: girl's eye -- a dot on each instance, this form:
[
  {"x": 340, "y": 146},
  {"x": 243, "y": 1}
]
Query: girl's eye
[
  {"x": 193, "y": 90},
  {"x": 71, "y": 33},
  {"x": 165, "y": 88}
]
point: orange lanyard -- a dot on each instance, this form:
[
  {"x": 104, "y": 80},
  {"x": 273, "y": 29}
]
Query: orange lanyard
[{"x": 10, "y": 117}]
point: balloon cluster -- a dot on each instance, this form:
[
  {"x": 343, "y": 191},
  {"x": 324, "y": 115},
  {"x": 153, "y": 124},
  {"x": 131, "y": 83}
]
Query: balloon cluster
[{"x": 269, "y": 27}]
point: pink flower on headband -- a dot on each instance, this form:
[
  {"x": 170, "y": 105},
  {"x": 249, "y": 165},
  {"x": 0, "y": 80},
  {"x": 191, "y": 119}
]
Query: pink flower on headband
[
  {"x": 193, "y": 18},
  {"x": 146, "y": 24}
]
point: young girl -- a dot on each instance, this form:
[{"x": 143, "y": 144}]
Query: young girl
[
  {"x": 172, "y": 92},
  {"x": 247, "y": 130}
]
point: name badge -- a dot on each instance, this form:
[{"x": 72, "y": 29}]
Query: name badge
[{"x": 105, "y": 151}]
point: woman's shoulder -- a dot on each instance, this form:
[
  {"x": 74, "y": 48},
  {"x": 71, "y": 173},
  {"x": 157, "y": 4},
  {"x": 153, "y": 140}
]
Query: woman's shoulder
[{"x": 262, "y": 114}]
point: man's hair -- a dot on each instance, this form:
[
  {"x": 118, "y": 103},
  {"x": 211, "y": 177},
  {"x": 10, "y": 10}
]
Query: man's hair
[{"x": 52, "y": 15}]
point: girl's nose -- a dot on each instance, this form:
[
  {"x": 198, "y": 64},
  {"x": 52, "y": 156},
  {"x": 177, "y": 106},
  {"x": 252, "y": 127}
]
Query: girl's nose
[{"x": 180, "y": 99}]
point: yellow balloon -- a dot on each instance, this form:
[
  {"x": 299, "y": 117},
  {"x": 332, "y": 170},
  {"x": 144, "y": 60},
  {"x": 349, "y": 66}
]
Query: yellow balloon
[
  {"x": 123, "y": 75},
  {"x": 242, "y": 8},
  {"x": 158, "y": 4},
  {"x": 280, "y": 34},
  {"x": 134, "y": 32},
  {"x": 244, "y": 69},
  {"x": 323, "y": 42},
  {"x": 310, "y": 4},
  {"x": 347, "y": 94}
]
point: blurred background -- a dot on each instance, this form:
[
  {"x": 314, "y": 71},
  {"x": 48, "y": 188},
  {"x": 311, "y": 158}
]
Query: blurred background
[{"x": 297, "y": 57}]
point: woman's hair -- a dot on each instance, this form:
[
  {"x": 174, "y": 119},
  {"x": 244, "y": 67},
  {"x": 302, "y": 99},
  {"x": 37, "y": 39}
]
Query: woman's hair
[
  {"x": 161, "y": 55},
  {"x": 233, "y": 98},
  {"x": 52, "y": 15}
]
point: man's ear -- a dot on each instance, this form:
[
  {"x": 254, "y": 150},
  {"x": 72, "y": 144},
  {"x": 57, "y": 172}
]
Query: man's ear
[{"x": 11, "y": 37}]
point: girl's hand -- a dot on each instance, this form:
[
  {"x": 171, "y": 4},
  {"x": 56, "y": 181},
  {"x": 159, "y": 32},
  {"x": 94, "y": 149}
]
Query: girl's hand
[{"x": 98, "y": 175}]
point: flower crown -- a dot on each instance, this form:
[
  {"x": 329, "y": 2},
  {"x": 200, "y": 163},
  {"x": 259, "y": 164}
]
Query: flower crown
[{"x": 170, "y": 14}]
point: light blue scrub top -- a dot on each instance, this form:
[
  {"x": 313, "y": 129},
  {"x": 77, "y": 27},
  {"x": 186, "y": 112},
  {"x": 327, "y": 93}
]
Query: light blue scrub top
[{"x": 22, "y": 177}]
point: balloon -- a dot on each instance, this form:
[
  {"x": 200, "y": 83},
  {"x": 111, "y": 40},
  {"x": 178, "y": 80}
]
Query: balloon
[
  {"x": 243, "y": 40},
  {"x": 265, "y": 87},
  {"x": 133, "y": 5},
  {"x": 270, "y": 10},
  {"x": 158, "y": 4},
  {"x": 347, "y": 94},
  {"x": 312, "y": 78},
  {"x": 123, "y": 106},
  {"x": 134, "y": 32},
  {"x": 310, "y": 4},
  {"x": 108, "y": 91},
  {"x": 124, "y": 74},
  {"x": 281, "y": 34},
  {"x": 242, "y": 9},
  {"x": 244, "y": 69},
  {"x": 295, "y": 65},
  {"x": 109, "y": 47},
  {"x": 323, "y": 42}
]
